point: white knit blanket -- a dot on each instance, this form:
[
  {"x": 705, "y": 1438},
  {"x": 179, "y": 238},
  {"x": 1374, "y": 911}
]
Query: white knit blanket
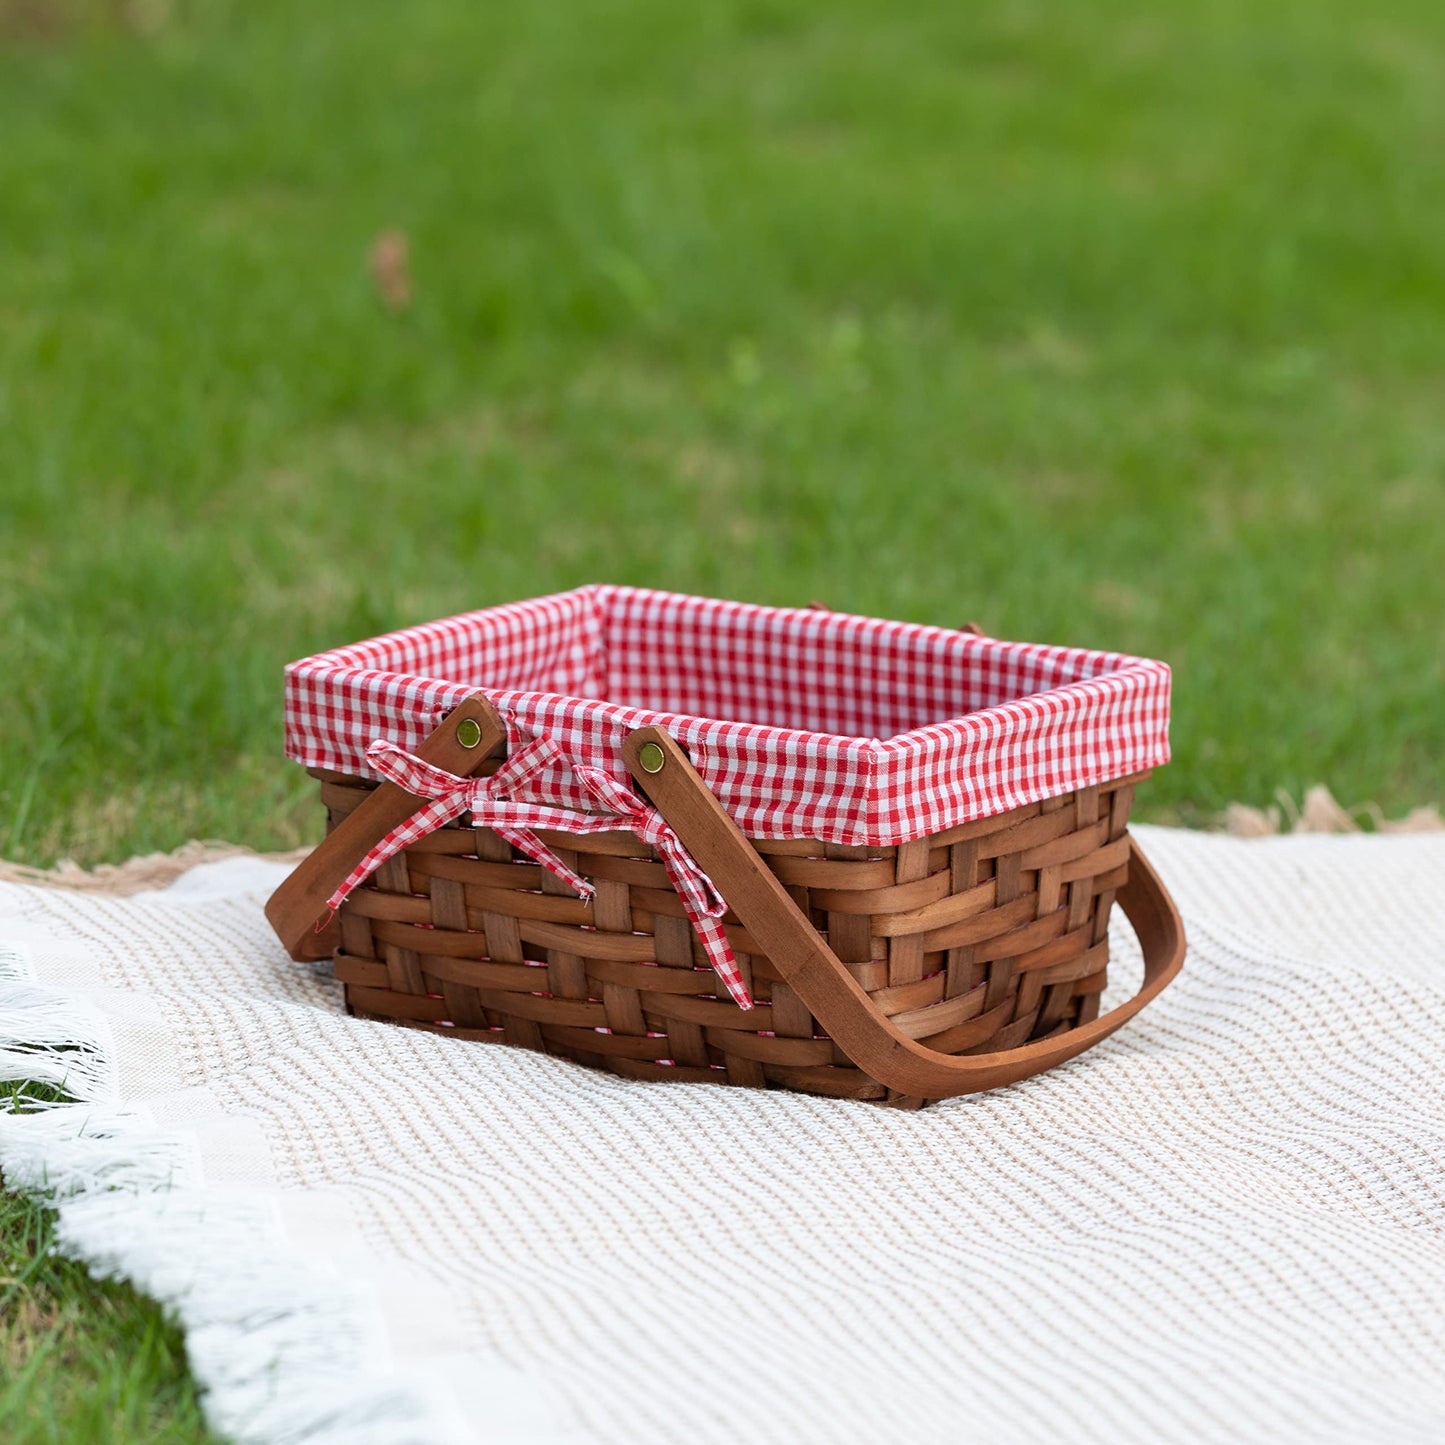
[{"x": 1227, "y": 1223}]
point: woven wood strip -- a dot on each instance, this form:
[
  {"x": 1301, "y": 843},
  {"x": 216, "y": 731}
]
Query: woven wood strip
[{"x": 981, "y": 938}]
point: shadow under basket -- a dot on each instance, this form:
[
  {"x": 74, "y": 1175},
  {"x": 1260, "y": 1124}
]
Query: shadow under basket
[{"x": 973, "y": 942}]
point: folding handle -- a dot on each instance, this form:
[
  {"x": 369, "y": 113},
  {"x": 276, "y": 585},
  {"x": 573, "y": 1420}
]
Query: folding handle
[
  {"x": 467, "y": 737},
  {"x": 823, "y": 983}
]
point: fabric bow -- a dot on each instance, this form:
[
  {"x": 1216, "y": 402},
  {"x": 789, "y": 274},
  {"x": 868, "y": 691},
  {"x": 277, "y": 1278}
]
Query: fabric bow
[{"x": 499, "y": 802}]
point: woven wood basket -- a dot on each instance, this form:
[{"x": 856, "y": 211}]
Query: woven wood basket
[{"x": 942, "y": 964}]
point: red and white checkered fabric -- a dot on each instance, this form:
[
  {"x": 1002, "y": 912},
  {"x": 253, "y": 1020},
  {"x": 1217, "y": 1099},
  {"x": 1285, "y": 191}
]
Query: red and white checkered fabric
[{"x": 804, "y": 723}]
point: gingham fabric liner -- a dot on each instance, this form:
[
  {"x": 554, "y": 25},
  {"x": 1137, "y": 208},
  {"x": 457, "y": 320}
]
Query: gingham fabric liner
[{"x": 804, "y": 723}]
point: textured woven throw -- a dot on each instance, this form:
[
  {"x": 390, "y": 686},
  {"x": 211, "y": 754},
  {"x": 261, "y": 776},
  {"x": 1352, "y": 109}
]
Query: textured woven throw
[{"x": 1225, "y": 1223}]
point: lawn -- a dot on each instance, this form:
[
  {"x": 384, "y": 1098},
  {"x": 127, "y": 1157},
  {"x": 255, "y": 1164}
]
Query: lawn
[{"x": 1098, "y": 325}]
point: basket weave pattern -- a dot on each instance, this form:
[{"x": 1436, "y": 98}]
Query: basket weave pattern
[{"x": 976, "y": 939}]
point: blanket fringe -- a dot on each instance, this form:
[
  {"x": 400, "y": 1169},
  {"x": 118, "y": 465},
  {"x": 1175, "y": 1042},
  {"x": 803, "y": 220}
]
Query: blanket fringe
[
  {"x": 136, "y": 875},
  {"x": 52, "y": 1038},
  {"x": 285, "y": 1349},
  {"x": 1321, "y": 813}
]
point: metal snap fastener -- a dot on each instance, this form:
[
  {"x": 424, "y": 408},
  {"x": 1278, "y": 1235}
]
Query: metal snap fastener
[
  {"x": 650, "y": 758},
  {"x": 469, "y": 732}
]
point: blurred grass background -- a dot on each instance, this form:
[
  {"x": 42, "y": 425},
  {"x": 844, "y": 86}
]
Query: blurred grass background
[
  {"x": 1099, "y": 325},
  {"x": 1095, "y": 325}
]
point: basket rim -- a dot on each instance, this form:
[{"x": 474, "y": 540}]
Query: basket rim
[{"x": 1104, "y": 714}]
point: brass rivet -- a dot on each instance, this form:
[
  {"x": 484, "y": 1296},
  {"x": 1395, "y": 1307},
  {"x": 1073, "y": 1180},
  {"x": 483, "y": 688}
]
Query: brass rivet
[
  {"x": 650, "y": 758},
  {"x": 469, "y": 732}
]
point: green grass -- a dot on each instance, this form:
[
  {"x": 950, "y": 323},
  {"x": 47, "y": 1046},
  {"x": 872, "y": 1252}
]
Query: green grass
[
  {"x": 1099, "y": 325},
  {"x": 1096, "y": 327}
]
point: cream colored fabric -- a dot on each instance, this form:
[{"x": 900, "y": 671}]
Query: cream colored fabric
[{"x": 1225, "y": 1224}]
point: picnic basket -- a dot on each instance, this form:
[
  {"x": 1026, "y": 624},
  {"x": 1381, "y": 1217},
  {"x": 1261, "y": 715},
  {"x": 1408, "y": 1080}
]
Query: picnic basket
[{"x": 687, "y": 839}]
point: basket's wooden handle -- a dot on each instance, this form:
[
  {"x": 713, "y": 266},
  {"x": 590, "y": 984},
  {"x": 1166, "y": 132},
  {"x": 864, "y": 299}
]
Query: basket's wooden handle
[
  {"x": 297, "y": 906},
  {"x": 830, "y": 992}
]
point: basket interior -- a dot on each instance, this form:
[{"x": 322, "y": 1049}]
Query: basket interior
[
  {"x": 803, "y": 669},
  {"x": 813, "y": 671}
]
